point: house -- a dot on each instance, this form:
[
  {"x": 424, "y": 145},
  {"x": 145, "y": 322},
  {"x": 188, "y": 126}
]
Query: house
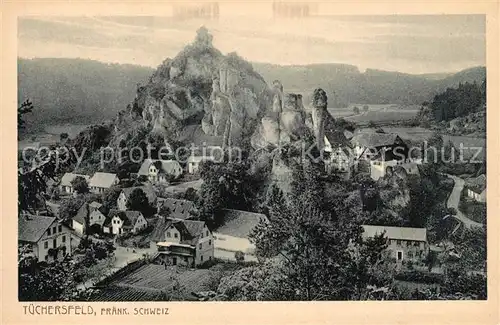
[
  {"x": 182, "y": 242},
  {"x": 100, "y": 182},
  {"x": 383, "y": 152},
  {"x": 66, "y": 180},
  {"x": 404, "y": 243},
  {"x": 121, "y": 222},
  {"x": 92, "y": 210},
  {"x": 178, "y": 209},
  {"x": 124, "y": 196},
  {"x": 48, "y": 238},
  {"x": 160, "y": 171},
  {"x": 193, "y": 163},
  {"x": 476, "y": 188},
  {"x": 234, "y": 235},
  {"x": 338, "y": 154}
]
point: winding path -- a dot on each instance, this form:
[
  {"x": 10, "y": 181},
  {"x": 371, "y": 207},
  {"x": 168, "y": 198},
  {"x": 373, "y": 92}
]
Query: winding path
[{"x": 454, "y": 200}]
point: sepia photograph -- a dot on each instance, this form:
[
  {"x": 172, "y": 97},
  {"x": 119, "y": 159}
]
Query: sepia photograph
[{"x": 298, "y": 157}]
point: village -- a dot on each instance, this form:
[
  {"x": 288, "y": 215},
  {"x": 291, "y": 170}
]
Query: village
[{"x": 158, "y": 244}]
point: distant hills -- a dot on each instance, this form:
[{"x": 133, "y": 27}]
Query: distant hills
[
  {"x": 79, "y": 91},
  {"x": 345, "y": 84},
  {"x": 76, "y": 91}
]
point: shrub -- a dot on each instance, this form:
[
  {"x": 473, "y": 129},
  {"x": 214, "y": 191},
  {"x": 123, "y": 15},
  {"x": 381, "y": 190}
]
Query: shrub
[
  {"x": 239, "y": 256},
  {"x": 419, "y": 276}
]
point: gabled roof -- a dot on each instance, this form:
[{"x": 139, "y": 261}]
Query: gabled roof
[
  {"x": 95, "y": 204},
  {"x": 129, "y": 218},
  {"x": 104, "y": 180},
  {"x": 190, "y": 230},
  {"x": 239, "y": 223},
  {"x": 68, "y": 177},
  {"x": 373, "y": 140},
  {"x": 166, "y": 166},
  {"x": 398, "y": 233},
  {"x": 148, "y": 190},
  {"x": 179, "y": 209},
  {"x": 81, "y": 214},
  {"x": 337, "y": 138},
  {"x": 477, "y": 184},
  {"x": 31, "y": 228}
]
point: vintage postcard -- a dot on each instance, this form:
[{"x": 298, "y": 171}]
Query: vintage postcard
[{"x": 175, "y": 158}]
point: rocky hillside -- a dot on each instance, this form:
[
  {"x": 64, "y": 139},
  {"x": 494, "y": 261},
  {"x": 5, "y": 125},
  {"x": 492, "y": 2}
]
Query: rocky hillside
[
  {"x": 372, "y": 86},
  {"x": 199, "y": 89}
]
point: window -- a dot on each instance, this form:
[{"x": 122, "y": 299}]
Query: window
[
  {"x": 48, "y": 232},
  {"x": 206, "y": 233},
  {"x": 209, "y": 242},
  {"x": 168, "y": 234},
  {"x": 400, "y": 255},
  {"x": 54, "y": 230},
  {"x": 176, "y": 235},
  {"x": 201, "y": 258},
  {"x": 174, "y": 260},
  {"x": 46, "y": 245},
  {"x": 210, "y": 258},
  {"x": 46, "y": 257},
  {"x": 54, "y": 242},
  {"x": 59, "y": 228},
  {"x": 63, "y": 239}
]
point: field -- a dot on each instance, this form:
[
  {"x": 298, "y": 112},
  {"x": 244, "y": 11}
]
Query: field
[
  {"x": 376, "y": 113},
  {"x": 51, "y": 134}
]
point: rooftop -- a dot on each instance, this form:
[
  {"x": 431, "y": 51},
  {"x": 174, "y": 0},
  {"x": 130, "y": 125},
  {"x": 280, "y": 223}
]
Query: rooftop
[
  {"x": 32, "y": 227},
  {"x": 128, "y": 217},
  {"x": 103, "y": 180},
  {"x": 373, "y": 140},
  {"x": 179, "y": 209},
  {"x": 477, "y": 184},
  {"x": 166, "y": 166},
  {"x": 398, "y": 233},
  {"x": 68, "y": 177}
]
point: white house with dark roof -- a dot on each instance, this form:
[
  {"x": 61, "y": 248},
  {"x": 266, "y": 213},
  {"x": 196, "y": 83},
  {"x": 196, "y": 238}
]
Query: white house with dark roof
[
  {"x": 476, "y": 188},
  {"x": 122, "y": 200},
  {"x": 182, "y": 242},
  {"x": 338, "y": 154},
  {"x": 100, "y": 182},
  {"x": 404, "y": 243},
  {"x": 48, "y": 238},
  {"x": 178, "y": 208},
  {"x": 160, "y": 171},
  {"x": 65, "y": 185},
  {"x": 93, "y": 211},
  {"x": 120, "y": 222}
]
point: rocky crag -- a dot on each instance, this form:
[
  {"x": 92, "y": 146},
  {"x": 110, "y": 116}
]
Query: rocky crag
[{"x": 200, "y": 87}]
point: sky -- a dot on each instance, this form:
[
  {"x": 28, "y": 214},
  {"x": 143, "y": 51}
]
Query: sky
[{"x": 409, "y": 44}]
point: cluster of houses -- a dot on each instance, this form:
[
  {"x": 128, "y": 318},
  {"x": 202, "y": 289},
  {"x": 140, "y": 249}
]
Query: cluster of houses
[{"x": 377, "y": 153}]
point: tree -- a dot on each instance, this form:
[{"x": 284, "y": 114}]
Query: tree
[
  {"x": 63, "y": 136},
  {"x": 320, "y": 246},
  {"x": 80, "y": 185},
  {"x": 239, "y": 256},
  {"x": 26, "y": 107},
  {"x": 138, "y": 201},
  {"x": 356, "y": 110}
]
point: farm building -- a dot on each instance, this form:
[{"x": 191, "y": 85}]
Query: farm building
[
  {"x": 66, "y": 180},
  {"x": 93, "y": 212},
  {"x": 182, "y": 242},
  {"x": 178, "y": 209},
  {"x": 100, "y": 182},
  {"x": 476, "y": 188},
  {"x": 160, "y": 171},
  {"x": 119, "y": 222},
  {"x": 49, "y": 239},
  {"x": 404, "y": 243}
]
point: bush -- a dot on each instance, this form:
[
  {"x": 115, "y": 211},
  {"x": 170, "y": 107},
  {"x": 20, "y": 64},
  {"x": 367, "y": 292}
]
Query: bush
[
  {"x": 239, "y": 256},
  {"x": 421, "y": 277}
]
